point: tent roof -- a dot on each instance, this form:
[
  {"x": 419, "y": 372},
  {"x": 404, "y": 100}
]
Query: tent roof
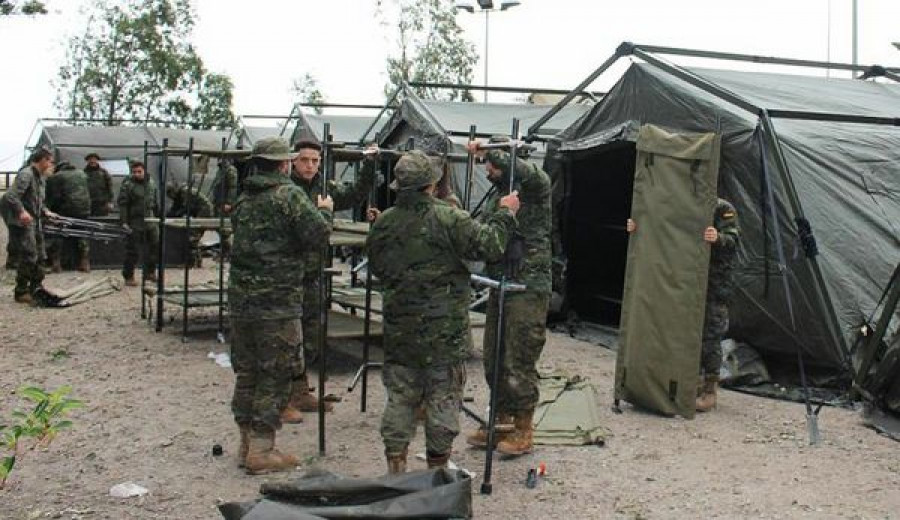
[
  {"x": 496, "y": 118},
  {"x": 344, "y": 128}
]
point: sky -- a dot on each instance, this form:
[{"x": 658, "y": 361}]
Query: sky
[{"x": 263, "y": 45}]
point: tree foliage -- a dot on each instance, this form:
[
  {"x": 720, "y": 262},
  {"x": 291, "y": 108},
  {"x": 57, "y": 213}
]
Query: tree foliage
[
  {"x": 135, "y": 61},
  {"x": 430, "y": 47},
  {"x": 306, "y": 90},
  {"x": 29, "y": 7}
]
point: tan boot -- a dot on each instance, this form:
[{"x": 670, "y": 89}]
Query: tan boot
[
  {"x": 396, "y": 462},
  {"x": 56, "y": 266},
  {"x": 150, "y": 276},
  {"x": 437, "y": 461},
  {"x": 503, "y": 426},
  {"x": 420, "y": 414},
  {"x": 519, "y": 442},
  {"x": 24, "y": 298},
  {"x": 707, "y": 399},
  {"x": 130, "y": 281},
  {"x": 245, "y": 444},
  {"x": 304, "y": 400},
  {"x": 262, "y": 457},
  {"x": 84, "y": 265},
  {"x": 291, "y": 415}
]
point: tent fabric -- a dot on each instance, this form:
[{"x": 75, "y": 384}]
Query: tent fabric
[
  {"x": 567, "y": 413},
  {"x": 434, "y": 493},
  {"x": 666, "y": 274},
  {"x": 847, "y": 177}
]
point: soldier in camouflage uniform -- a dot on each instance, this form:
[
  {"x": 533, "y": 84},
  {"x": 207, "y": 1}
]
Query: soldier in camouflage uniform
[
  {"x": 137, "y": 200},
  {"x": 99, "y": 183},
  {"x": 723, "y": 237},
  {"x": 23, "y": 209},
  {"x": 223, "y": 192},
  {"x": 306, "y": 175},
  {"x": 527, "y": 262},
  {"x": 275, "y": 225},
  {"x": 68, "y": 195},
  {"x": 200, "y": 206},
  {"x": 418, "y": 249}
]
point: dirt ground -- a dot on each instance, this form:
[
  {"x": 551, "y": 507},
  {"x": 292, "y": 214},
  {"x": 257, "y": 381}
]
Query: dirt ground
[{"x": 155, "y": 406}]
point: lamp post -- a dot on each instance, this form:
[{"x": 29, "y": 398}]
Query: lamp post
[{"x": 486, "y": 6}]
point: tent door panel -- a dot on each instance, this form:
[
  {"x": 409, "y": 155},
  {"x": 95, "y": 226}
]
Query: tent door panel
[{"x": 664, "y": 298}]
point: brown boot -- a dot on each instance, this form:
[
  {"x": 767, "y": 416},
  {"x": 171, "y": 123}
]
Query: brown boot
[
  {"x": 503, "y": 425},
  {"x": 262, "y": 457},
  {"x": 23, "y": 298},
  {"x": 420, "y": 414},
  {"x": 707, "y": 399},
  {"x": 150, "y": 276},
  {"x": 84, "y": 265},
  {"x": 291, "y": 415},
  {"x": 245, "y": 444},
  {"x": 304, "y": 400},
  {"x": 437, "y": 461},
  {"x": 396, "y": 462},
  {"x": 130, "y": 281},
  {"x": 519, "y": 442},
  {"x": 56, "y": 266}
]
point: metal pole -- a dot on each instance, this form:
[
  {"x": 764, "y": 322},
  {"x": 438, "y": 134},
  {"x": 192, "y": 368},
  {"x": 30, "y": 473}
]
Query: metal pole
[
  {"x": 487, "y": 25},
  {"x": 323, "y": 279},
  {"x": 161, "y": 261},
  {"x": 187, "y": 241},
  {"x": 220, "y": 335},
  {"x": 855, "y": 35},
  {"x": 470, "y": 172},
  {"x": 143, "y": 295}
]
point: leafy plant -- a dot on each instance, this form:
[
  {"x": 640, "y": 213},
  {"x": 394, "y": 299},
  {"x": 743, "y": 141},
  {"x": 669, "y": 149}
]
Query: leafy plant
[{"x": 42, "y": 424}]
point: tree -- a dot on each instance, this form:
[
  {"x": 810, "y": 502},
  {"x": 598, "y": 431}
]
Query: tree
[
  {"x": 135, "y": 61},
  {"x": 306, "y": 90},
  {"x": 29, "y": 7},
  {"x": 430, "y": 47}
]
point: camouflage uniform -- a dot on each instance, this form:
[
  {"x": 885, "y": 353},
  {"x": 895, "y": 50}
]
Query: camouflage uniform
[
  {"x": 200, "y": 206},
  {"x": 68, "y": 195},
  {"x": 345, "y": 196},
  {"x": 720, "y": 286},
  {"x": 275, "y": 225},
  {"x": 137, "y": 200},
  {"x": 99, "y": 183},
  {"x": 525, "y": 312},
  {"x": 418, "y": 249},
  {"x": 27, "y": 192},
  {"x": 224, "y": 192}
]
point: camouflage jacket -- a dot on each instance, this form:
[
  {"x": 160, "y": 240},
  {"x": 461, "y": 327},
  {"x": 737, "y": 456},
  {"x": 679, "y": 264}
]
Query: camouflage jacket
[
  {"x": 200, "y": 205},
  {"x": 26, "y": 192},
  {"x": 99, "y": 183},
  {"x": 418, "y": 249},
  {"x": 275, "y": 226},
  {"x": 724, "y": 253},
  {"x": 137, "y": 200},
  {"x": 224, "y": 187},
  {"x": 533, "y": 231},
  {"x": 67, "y": 193}
]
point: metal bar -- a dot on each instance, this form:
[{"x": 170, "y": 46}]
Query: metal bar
[
  {"x": 340, "y": 105},
  {"x": 161, "y": 261},
  {"x": 187, "y": 243},
  {"x": 220, "y": 335},
  {"x": 143, "y": 296},
  {"x": 389, "y": 104},
  {"x": 367, "y": 324},
  {"x": 515, "y": 90},
  {"x": 620, "y": 51},
  {"x": 871, "y": 346},
  {"x": 323, "y": 279},
  {"x": 836, "y": 118},
  {"x": 470, "y": 172}
]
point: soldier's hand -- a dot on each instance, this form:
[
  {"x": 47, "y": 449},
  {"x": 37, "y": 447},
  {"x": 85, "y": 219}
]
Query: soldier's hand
[
  {"x": 511, "y": 201},
  {"x": 371, "y": 152},
  {"x": 630, "y": 226},
  {"x": 226, "y": 208},
  {"x": 372, "y": 214},
  {"x": 50, "y": 215},
  {"x": 25, "y": 218},
  {"x": 474, "y": 147},
  {"x": 710, "y": 235},
  {"x": 325, "y": 203},
  {"x": 109, "y": 206}
]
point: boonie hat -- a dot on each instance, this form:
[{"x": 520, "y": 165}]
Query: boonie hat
[
  {"x": 272, "y": 148},
  {"x": 94, "y": 155},
  {"x": 413, "y": 171}
]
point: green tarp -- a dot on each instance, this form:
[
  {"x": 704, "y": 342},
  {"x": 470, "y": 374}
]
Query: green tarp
[
  {"x": 567, "y": 413},
  {"x": 667, "y": 263}
]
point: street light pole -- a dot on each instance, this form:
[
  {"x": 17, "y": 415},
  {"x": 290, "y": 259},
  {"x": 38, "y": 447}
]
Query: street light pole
[
  {"x": 487, "y": 38},
  {"x": 486, "y": 6}
]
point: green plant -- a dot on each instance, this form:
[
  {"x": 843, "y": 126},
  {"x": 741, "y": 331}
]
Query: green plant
[{"x": 42, "y": 423}]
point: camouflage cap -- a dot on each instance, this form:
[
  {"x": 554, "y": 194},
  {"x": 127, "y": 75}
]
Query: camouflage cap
[
  {"x": 95, "y": 155},
  {"x": 273, "y": 149},
  {"x": 414, "y": 170}
]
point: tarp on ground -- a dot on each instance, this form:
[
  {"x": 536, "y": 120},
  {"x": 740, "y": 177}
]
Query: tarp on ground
[
  {"x": 435, "y": 493},
  {"x": 567, "y": 412},
  {"x": 846, "y": 176}
]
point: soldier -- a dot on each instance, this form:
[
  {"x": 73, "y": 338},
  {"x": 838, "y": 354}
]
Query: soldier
[
  {"x": 275, "y": 226},
  {"x": 223, "y": 193},
  {"x": 723, "y": 237},
  {"x": 418, "y": 249},
  {"x": 306, "y": 175},
  {"x": 137, "y": 200},
  {"x": 527, "y": 262},
  {"x": 23, "y": 209},
  {"x": 68, "y": 195},
  {"x": 99, "y": 183},
  {"x": 200, "y": 206}
]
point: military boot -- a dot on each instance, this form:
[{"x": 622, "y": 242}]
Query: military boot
[
  {"x": 130, "y": 281},
  {"x": 245, "y": 444},
  {"x": 503, "y": 425},
  {"x": 437, "y": 460},
  {"x": 23, "y": 298},
  {"x": 519, "y": 442},
  {"x": 396, "y": 461},
  {"x": 304, "y": 400},
  {"x": 150, "y": 275},
  {"x": 56, "y": 265},
  {"x": 707, "y": 399},
  {"x": 291, "y": 414},
  {"x": 262, "y": 457},
  {"x": 84, "y": 264}
]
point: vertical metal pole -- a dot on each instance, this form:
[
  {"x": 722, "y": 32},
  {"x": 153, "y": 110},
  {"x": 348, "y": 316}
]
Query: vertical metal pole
[
  {"x": 143, "y": 294},
  {"x": 487, "y": 25},
  {"x": 855, "y": 36},
  {"x": 187, "y": 240},
  {"x": 323, "y": 280},
  {"x": 470, "y": 173},
  {"x": 367, "y": 329},
  {"x": 161, "y": 261},
  {"x": 220, "y": 335}
]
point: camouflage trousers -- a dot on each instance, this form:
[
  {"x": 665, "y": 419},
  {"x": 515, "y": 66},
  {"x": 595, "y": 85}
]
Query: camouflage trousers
[
  {"x": 261, "y": 356},
  {"x": 715, "y": 325},
  {"x": 439, "y": 389},
  {"x": 56, "y": 245},
  {"x": 142, "y": 242},
  {"x": 28, "y": 244},
  {"x": 309, "y": 347},
  {"x": 525, "y": 332}
]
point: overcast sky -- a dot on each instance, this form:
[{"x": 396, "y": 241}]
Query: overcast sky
[{"x": 264, "y": 44}]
